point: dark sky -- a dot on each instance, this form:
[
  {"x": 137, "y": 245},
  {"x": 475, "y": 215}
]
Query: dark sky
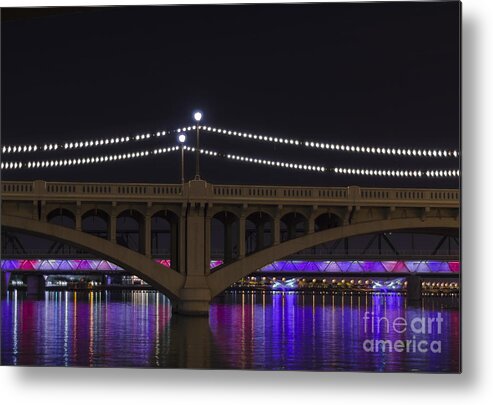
[{"x": 385, "y": 74}]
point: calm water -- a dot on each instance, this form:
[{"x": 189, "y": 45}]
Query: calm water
[{"x": 244, "y": 331}]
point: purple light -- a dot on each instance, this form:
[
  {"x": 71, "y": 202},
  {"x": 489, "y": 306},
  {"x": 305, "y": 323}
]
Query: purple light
[
  {"x": 216, "y": 263},
  {"x": 286, "y": 285},
  {"x": 363, "y": 266},
  {"x": 395, "y": 284},
  {"x": 357, "y": 266}
]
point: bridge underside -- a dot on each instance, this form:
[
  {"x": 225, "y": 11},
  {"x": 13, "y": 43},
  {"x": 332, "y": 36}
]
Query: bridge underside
[{"x": 192, "y": 293}]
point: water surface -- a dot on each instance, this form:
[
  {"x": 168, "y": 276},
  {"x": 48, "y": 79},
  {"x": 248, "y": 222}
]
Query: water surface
[{"x": 271, "y": 331}]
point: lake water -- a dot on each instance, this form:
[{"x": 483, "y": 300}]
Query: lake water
[{"x": 273, "y": 331}]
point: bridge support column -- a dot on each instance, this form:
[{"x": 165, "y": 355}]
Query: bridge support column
[
  {"x": 413, "y": 291},
  {"x": 145, "y": 236},
  {"x": 241, "y": 237},
  {"x": 5, "y": 280},
  {"x": 311, "y": 224},
  {"x": 35, "y": 284},
  {"x": 276, "y": 230},
  {"x": 78, "y": 217},
  {"x": 78, "y": 223},
  {"x": 113, "y": 228},
  {"x": 195, "y": 296}
]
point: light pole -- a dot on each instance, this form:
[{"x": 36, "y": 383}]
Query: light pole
[
  {"x": 182, "y": 138},
  {"x": 197, "y": 117}
]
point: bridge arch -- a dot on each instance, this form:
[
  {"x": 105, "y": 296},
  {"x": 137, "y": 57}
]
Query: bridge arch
[
  {"x": 222, "y": 278},
  {"x": 230, "y": 209},
  {"x": 129, "y": 207},
  {"x": 99, "y": 209},
  {"x": 159, "y": 209},
  {"x": 165, "y": 280},
  {"x": 271, "y": 211}
]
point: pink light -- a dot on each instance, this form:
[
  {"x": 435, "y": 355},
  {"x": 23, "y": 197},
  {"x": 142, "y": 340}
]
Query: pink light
[
  {"x": 400, "y": 267},
  {"x": 425, "y": 266},
  {"x": 454, "y": 267},
  {"x": 164, "y": 262}
]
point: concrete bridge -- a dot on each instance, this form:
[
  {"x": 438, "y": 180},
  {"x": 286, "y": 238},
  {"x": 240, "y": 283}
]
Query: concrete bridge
[{"x": 285, "y": 220}]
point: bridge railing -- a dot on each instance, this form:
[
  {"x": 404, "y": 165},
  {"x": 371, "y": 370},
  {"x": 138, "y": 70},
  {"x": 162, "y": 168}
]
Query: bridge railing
[
  {"x": 41, "y": 189},
  {"x": 352, "y": 195},
  {"x": 409, "y": 194},
  {"x": 278, "y": 192}
]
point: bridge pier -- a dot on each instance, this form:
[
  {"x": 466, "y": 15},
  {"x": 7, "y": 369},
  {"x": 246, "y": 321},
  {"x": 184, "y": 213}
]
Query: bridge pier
[
  {"x": 5, "y": 280},
  {"x": 413, "y": 291},
  {"x": 194, "y": 297},
  {"x": 35, "y": 284},
  {"x": 193, "y": 302}
]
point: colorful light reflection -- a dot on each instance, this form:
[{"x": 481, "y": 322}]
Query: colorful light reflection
[
  {"x": 395, "y": 284},
  {"x": 285, "y": 285},
  {"x": 65, "y": 265},
  {"x": 363, "y": 266},
  {"x": 356, "y": 266}
]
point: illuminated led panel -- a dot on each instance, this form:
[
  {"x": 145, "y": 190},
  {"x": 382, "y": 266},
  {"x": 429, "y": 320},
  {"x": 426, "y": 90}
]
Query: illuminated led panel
[
  {"x": 362, "y": 266},
  {"x": 356, "y": 266}
]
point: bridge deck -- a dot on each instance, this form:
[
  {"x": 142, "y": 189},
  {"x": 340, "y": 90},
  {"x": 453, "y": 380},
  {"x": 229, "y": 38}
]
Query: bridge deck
[{"x": 238, "y": 194}]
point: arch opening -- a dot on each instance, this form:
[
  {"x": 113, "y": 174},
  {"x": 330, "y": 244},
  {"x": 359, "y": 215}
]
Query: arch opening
[
  {"x": 96, "y": 222},
  {"x": 224, "y": 236},
  {"x": 130, "y": 230},
  {"x": 258, "y": 232},
  {"x": 165, "y": 237},
  {"x": 62, "y": 217},
  {"x": 327, "y": 221},
  {"x": 293, "y": 225}
]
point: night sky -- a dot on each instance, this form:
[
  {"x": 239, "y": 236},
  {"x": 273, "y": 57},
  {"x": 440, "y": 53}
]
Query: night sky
[{"x": 382, "y": 74}]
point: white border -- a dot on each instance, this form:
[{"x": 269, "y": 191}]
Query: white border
[{"x": 475, "y": 385}]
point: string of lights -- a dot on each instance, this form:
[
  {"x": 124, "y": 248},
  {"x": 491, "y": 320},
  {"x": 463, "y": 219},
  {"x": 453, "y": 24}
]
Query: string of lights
[
  {"x": 202, "y": 151},
  {"x": 85, "y": 160},
  {"x": 125, "y": 156},
  {"x": 397, "y": 173},
  {"x": 234, "y": 157},
  {"x": 266, "y": 162},
  {"x": 285, "y": 165},
  {"x": 90, "y": 143},
  {"x": 376, "y": 150}
]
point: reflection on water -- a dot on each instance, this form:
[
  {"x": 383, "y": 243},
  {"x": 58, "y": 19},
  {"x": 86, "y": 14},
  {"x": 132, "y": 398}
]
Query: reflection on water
[{"x": 245, "y": 330}]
